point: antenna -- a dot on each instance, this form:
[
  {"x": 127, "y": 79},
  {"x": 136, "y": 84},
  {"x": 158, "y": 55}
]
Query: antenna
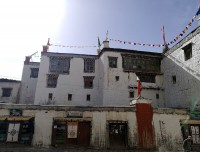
[
  {"x": 107, "y": 35},
  {"x": 164, "y": 40}
]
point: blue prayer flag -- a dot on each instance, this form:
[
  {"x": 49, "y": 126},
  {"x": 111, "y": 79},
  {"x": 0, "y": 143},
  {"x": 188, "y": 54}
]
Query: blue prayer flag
[{"x": 198, "y": 12}]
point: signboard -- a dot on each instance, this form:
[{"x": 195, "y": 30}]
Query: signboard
[
  {"x": 72, "y": 129},
  {"x": 15, "y": 112},
  {"x": 74, "y": 114},
  {"x": 195, "y": 115}
]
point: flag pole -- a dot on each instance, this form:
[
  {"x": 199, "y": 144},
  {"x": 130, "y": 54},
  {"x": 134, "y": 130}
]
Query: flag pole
[{"x": 164, "y": 40}]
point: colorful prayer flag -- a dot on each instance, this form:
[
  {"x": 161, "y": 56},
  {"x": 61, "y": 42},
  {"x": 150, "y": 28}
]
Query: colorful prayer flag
[
  {"x": 99, "y": 44},
  {"x": 198, "y": 12}
]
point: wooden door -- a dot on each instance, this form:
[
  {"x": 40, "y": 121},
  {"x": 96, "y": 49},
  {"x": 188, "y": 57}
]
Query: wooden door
[{"x": 84, "y": 133}]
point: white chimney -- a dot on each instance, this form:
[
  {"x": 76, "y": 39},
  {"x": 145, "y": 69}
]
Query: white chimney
[{"x": 105, "y": 44}]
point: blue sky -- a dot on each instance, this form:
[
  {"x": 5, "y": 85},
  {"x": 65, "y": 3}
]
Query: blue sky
[{"x": 26, "y": 26}]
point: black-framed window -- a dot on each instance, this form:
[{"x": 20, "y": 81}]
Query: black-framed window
[
  {"x": 89, "y": 65},
  {"x": 6, "y": 92},
  {"x": 34, "y": 72},
  {"x": 188, "y": 51},
  {"x": 69, "y": 97},
  {"x": 52, "y": 80},
  {"x": 50, "y": 96},
  {"x": 157, "y": 96},
  {"x": 147, "y": 77},
  {"x": 117, "y": 78},
  {"x": 174, "y": 79},
  {"x": 112, "y": 61},
  {"x": 59, "y": 65},
  {"x": 139, "y": 63},
  {"x": 88, "y": 82},
  {"x": 131, "y": 94},
  {"x": 88, "y": 97}
]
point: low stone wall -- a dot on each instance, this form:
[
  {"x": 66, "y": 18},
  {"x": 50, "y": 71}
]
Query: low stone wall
[{"x": 165, "y": 122}]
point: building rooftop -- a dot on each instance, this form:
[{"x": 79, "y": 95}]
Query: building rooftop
[{"x": 8, "y": 80}]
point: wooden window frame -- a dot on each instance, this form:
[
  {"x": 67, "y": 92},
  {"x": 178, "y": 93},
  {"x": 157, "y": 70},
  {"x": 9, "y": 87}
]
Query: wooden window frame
[
  {"x": 112, "y": 62},
  {"x": 88, "y": 82},
  {"x": 34, "y": 72},
  {"x": 88, "y": 97},
  {"x": 52, "y": 80},
  {"x": 89, "y": 65},
  {"x": 6, "y": 92},
  {"x": 187, "y": 51},
  {"x": 60, "y": 65}
]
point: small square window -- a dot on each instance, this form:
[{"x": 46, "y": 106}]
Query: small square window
[
  {"x": 174, "y": 79},
  {"x": 117, "y": 78},
  {"x": 112, "y": 62},
  {"x": 88, "y": 97},
  {"x": 6, "y": 92},
  {"x": 69, "y": 97},
  {"x": 52, "y": 80},
  {"x": 157, "y": 96},
  {"x": 88, "y": 82},
  {"x": 34, "y": 72},
  {"x": 188, "y": 51},
  {"x": 131, "y": 94}
]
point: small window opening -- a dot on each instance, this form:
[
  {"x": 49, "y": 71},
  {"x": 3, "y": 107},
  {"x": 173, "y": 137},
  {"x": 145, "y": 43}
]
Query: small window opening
[
  {"x": 88, "y": 97},
  {"x": 188, "y": 51},
  {"x": 157, "y": 96},
  {"x": 131, "y": 94},
  {"x": 174, "y": 79},
  {"x": 6, "y": 92},
  {"x": 112, "y": 61},
  {"x": 117, "y": 78},
  {"x": 50, "y": 96},
  {"x": 69, "y": 97},
  {"x": 88, "y": 82}
]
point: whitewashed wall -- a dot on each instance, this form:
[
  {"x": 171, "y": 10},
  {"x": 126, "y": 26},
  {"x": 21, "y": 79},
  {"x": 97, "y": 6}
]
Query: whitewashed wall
[
  {"x": 117, "y": 92},
  {"x": 28, "y": 84},
  {"x": 185, "y": 93},
  {"x": 170, "y": 128},
  {"x": 72, "y": 83}
]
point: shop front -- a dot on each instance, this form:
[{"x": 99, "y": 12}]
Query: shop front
[
  {"x": 71, "y": 131},
  {"x": 118, "y": 134},
  {"x": 191, "y": 127},
  {"x": 16, "y": 129}
]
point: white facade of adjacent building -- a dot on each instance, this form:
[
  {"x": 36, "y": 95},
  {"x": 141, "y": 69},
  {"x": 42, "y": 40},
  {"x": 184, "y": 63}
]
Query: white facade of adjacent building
[
  {"x": 29, "y": 81},
  {"x": 67, "y": 87},
  {"x": 9, "y": 91},
  {"x": 119, "y": 85},
  {"x": 181, "y": 68},
  {"x": 98, "y": 80}
]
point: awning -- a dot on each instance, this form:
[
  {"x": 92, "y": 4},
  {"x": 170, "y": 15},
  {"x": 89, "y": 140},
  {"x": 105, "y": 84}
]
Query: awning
[
  {"x": 190, "y": 122},
  {"x": 72, "y": 119},
  {"x": 2, "y": 118},
  {"x": 15, "y": 118}
]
